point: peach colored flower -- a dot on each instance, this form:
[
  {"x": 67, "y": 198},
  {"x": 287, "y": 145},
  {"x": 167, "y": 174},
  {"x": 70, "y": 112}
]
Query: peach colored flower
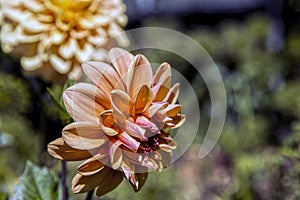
[
  {"x": 122, "y": 123},
  {"x": 53, "y": 36}
]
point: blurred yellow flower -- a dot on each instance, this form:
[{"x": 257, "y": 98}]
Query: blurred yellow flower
[
  {"x": 122, "y": 123},
  {"x": 53, "y": 36}
]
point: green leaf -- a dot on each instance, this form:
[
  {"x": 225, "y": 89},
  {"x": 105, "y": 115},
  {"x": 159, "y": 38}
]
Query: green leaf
[
  {"x": 55, "y": 92},
  {"x": 37, "y": 183}
]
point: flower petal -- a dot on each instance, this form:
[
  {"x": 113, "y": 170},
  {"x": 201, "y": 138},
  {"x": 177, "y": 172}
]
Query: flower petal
[
  {"x": 59, "y": 64},
  {"x": 178, "y": 120},
  {"x": 91, "y": 166},
  {"x": 163, "y": 73},
  {"x": 173, "y": 109},
  {"x": 139, "y": 74},
  {"x": 135, "y": 130},
  {"x": 110, "y": 183},
  {"x": 154, "y": 108},
  {"x": 143, "y": 99},
  {"x": 167, "y": 147},
  {"x": 61, "y": 150},
  {"x": 145, "y": 123},
  {"x": 121, "y": 107},
  {"x": 166, "y": 158},
  {"x": 139, "y": 181},
  {"x": 84, "y": 135},
  {"x": 107, "y": 179},
  {"x": 115, "y": 154},
  {"x": 128, "y": 141},
  {"x": 150, "y": 163},
  {"x": 106, "y": 122},
  {"x": 173, "y": 94},
  {"x": 121, "y": 60},
  {"x": 160, "y": 90},
  {"x": 81, "y": 101},
  {"x": 160, "y": 118},
  {"x": 136, "y": 180},
  {"x": 103, "y": 75}
]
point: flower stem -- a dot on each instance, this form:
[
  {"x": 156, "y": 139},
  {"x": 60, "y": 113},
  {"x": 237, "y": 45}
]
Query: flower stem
[
  {"x": 63, "y": 180},
  {"x": 89, "y": 195}
]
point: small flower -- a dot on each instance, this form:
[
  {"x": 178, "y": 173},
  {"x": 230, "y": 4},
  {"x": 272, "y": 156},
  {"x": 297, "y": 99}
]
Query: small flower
[
  {"x": 54, "y": 36},
  {"x": 122, "y": 123}
]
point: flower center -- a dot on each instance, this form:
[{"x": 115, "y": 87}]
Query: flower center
[
  {"x": 150, "y": 145},
  {"x": 68, "y": 11}
]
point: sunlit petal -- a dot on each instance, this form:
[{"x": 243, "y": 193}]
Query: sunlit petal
[
  {"x": 163, "y": 73},
  {"x": 84, "y": 135},
  {"x": 173, "y": 109},
  {"x": 160, "y": 90},
  {"x": 115, "y": 154},
  {"x": 121, "y": 105},
  {"x": 135, "y": 130},
  {"x": 103, "y": 75},
  {"x": 80, "y": 102},
  {"x": 139, "y": 74},
  {"x": 128, "y": 141},
  {"x": 121, "y": 60},
  {"x": 173, "y": 94},
  {"x": 178, "y": 121},
  {"x": 143, "y": 99}
]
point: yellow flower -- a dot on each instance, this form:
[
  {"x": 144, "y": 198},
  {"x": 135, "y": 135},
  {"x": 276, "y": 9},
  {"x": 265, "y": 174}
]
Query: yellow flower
[
  {"x": 122, "y": 123},
  {"x": 53, "y": 36}
]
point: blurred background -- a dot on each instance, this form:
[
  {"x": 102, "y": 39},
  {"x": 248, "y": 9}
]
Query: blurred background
[{"x": 256, "y": 46}]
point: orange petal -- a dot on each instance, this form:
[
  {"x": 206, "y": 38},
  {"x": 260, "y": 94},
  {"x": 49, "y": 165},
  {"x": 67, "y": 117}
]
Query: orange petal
[
  {"x": 80, "y": 102},
  {"x": 106, "y": 122},
  {"x": 103, "y": 75},
  {"x": 115, "y": 154},
  {"x": 139, "y": 74},
  {"x": 154, "y": 108},
  {"x": 61, "y": 150},
  {"x": 121, "y": 107},
  {"x": 173, "y": 109},
  {"x": 173, "y": 94},
  {"x": 107, "y": 118},
  {"x": 84, "y": 135},
  {"x": 163, "y": 73},
  {"x": 143, "y": 99},
  {"x": 91, "y": 166},
  {"x": 121, "y": 60},
  {"x": 160, "y": 90},
  {"x": 128, "y": 141},
  {"x": 107, "y": 179},
  {"x": 178, "y": 120}
]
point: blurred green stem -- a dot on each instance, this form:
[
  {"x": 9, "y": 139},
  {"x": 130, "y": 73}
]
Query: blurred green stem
[
  {"x": 63, "y": 180},
  {"x": 89, "y": 195}
]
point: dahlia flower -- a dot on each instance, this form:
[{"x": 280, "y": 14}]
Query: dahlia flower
[
  {"x": 53, "y": 36},
  {"x": 122, "y": 123}
]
